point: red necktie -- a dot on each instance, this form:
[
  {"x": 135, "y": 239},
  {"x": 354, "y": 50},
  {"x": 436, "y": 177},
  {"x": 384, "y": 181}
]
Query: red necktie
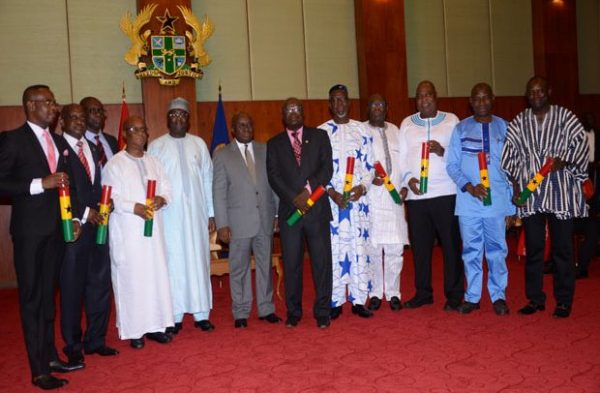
[
  {"x": 101, "y": 150},
  {"x": 83, "y": 160},
  {"x": 297, "y": 145}
]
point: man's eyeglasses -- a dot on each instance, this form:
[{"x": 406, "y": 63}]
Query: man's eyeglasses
[
  {"x": 135, "y": 130},
  {"x": 95, "y": 111},
  {"x": 46, "y": 102},
  {"x": 178, "y": 115}
]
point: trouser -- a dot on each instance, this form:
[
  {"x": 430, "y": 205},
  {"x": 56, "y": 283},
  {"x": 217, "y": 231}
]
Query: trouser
[
  {"x": 386, "y": 265},
  {"x": 240, "y": 276},
  {"x": 426, "y": 218},
  {"x": 479, "y": 235},
  {"x": 561, "y": 232},
  {"x": 37, "y": 263}
]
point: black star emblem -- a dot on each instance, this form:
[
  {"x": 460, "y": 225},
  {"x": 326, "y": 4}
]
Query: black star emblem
[
  {"x": 422, "y": 168},
  {"x": 534, "y": 181},
  {"x": 167, "y": 22},
  {"x": 484, "y": 178},
  {"x": 68, "y": 208}
]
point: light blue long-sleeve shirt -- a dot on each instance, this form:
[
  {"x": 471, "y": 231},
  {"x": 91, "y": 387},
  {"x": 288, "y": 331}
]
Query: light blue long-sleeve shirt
[{"x": 467, "y": 141}]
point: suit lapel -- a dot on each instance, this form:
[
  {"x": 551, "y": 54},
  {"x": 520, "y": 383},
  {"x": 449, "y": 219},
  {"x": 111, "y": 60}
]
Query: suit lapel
[
  {"x": 31, "y": 140},
  {"x": 287, "y": 145},
  {"x": 237, "y": 157}
]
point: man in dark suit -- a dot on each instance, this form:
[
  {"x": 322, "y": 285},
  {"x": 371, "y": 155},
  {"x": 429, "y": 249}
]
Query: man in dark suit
[
  {"x": 106, "y": 144},
  {"x": 32, "y": 167},
  {"x": 85, "y": 271},
  {"x": 298, "y": 161}
]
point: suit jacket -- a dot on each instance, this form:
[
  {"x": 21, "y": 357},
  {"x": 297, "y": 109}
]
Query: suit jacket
[
  {"x": 246, "y": 208},
  {"x": 88, "y": 193},
  {"x": 288, "y": 179},
  {"x": 112, "y": 141},
  {"x": 22, "y": 159}
]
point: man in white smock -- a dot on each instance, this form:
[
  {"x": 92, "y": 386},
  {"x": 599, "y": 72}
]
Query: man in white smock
[{"x": 387, "y": 229}]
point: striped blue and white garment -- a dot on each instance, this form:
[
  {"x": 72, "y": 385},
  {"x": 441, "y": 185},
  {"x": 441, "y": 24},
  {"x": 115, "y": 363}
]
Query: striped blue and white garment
[{"x": 527, "y": 146}]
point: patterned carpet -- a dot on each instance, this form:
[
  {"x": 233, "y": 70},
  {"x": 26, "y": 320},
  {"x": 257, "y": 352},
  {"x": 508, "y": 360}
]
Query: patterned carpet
[{"x": 424, "y": 350}]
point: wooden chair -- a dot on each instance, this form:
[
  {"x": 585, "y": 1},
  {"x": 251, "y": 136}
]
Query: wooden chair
[{"x": 220, "y": 266}]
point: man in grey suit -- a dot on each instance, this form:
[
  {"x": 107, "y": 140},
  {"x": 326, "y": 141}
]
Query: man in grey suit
[{"x": 245, "y": 208}]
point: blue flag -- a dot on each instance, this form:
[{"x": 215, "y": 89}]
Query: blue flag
[{"x": 220, "y": 135}]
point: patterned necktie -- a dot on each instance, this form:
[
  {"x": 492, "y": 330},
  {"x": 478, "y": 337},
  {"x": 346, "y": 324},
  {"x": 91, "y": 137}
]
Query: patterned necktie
[
  {"x": 386, "y": 150},
  {"x": 250, "y": 163},
  {"x": 83, "y": 160},
  {"x": 297, "y": 145},
  {"x": 50, "y": 153},
  {"x": 101, "y": 150}
]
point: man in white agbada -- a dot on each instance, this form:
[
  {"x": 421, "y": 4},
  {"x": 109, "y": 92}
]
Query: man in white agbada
[
  {"x": 189, "y": 218},
  {"x": 138, "y": 263},
  {"x": 388, "y": 233},
  {"x": 350, "y": 224}
]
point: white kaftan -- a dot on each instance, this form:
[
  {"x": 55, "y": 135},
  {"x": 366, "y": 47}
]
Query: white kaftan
[
  {"x": 138, "y": 263},
  {"x": 188, "y": 166}
]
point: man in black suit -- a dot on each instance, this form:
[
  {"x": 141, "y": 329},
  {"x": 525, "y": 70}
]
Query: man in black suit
[
  {"x": 106, "y": 144},
  {"x": 298, "y": 161},
  {"x": 85, "y": 272},
  {"x": 32, "y": 167}
]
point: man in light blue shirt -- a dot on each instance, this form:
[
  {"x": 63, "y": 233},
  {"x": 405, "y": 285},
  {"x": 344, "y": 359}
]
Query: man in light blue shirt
[{"x": 482, "y": 227}]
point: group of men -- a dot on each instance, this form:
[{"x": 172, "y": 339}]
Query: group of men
[{"x": 348, "y": 181}]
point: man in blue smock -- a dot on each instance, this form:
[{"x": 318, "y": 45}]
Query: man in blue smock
[{"x": 482, "y": 225}]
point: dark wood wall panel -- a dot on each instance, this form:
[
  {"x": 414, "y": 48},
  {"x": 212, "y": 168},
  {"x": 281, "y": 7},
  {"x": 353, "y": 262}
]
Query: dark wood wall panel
[
  {"x": 266, "y": 115},
  {"x": 381, "y": 52},
  {"x": 554, "y": 27}
]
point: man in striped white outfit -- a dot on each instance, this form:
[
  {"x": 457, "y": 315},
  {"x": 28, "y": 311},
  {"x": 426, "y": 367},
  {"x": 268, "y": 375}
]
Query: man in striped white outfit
[{"x": 540, "y": 132}]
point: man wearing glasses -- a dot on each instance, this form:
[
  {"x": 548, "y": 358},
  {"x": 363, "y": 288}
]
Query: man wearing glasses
[
  {"x": 138, "y": 258},
  {"x": 32, "y": 167},
  {"x": 106, "y": 144},
  {"x": 190, "y": 216}
]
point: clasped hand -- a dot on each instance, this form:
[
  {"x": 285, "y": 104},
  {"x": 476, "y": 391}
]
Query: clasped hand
[{"x": 146, "y": 212}]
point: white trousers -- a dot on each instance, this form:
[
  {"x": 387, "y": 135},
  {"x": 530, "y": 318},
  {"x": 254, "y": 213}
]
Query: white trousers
[{"x": 386, "y": 262}]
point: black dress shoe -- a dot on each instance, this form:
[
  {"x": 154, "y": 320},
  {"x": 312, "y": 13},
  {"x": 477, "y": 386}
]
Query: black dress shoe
[
  {"x": 205, "y": 325},
  {"x": 159, "y": 337},
  {"x": 74, "y": 357},
  {"x": 48, "y": 382},
  {"x": 395, "y": 303},
  {"x": 240, "y": 323},
  {"x": 416, "y": 302},
  {"x": 374, "y": 303},
  {"x": 467, "y": 307},
  {"x": 292, "y": 322},
  {"x": 361, "y": 311},
  {"x": 561, "y": 311},
  {"x": 174, "y": 330},
  {"x": 335, "y": 312},
  {"x": 58, "y": 366},
  {"x": 271, "y": 318},
  {"x": 531, "y": 308},
  {"x": 137, "y": 343},
  {"x": 452, "y": 305},
  {"x": 323, "y": 322},
  {"x": 500, "y": 307},
  {"x": 102, "y": 351}
]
